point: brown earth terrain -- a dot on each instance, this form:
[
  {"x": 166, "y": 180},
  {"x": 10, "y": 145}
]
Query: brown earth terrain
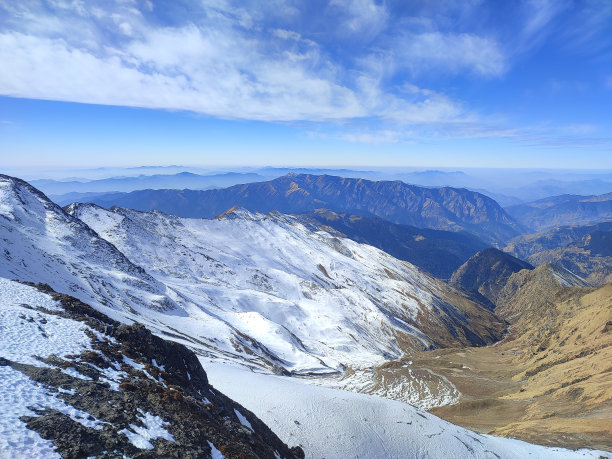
[{"x": 548, "y": 382}]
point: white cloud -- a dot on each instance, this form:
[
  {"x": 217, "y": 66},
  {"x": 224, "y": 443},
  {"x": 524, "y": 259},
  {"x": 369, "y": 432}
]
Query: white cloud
[
  {"x": 383, "y": 136},
  {"x": 286, "y": 34},
  {"x": 363, "y": 18},
  {"x": 225, "y": 62},
  {"x": 189, "y": 77},
  {"x": 451, "y": 52},
  {"x": 539, "y": 13}
]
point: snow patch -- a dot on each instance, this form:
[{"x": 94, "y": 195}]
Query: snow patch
[
  {"x": 244, "y": 421},
  {"x": 136, "y": 365},
  {"x": 153, "y": 429},
  {"x": 19, "y": 395},
  {"x": 214, "y": 452},
  {"x": 334, "y": 423}
]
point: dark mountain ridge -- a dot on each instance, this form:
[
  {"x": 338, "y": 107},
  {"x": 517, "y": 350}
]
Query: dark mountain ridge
[
  {"x": 486, "y": 273},
  {"x": 446, "y": 208}
]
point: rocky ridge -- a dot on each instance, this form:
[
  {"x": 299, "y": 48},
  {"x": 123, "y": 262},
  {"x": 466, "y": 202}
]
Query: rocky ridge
[{"x": 486, "y": 273}]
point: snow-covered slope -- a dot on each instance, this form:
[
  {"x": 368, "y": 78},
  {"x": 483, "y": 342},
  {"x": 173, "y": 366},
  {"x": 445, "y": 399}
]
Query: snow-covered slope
[
  {"x": 76, "y": 384},
  {"x": 39, "y": 242},
  {"x": 301, "y": 299},
  {"x": 265, "y": 290},
  {"x": 337, "y": 424}
]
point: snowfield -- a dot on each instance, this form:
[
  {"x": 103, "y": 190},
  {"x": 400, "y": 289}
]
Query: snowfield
[{"x": 330, "y": 423}]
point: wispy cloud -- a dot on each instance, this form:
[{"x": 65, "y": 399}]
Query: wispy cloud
[
  {"x": 363, "y": 19},
  {"x": 452, "y": 53},
  {"x": 353, "y": 60},
  {"x": 221, "y": 61}
]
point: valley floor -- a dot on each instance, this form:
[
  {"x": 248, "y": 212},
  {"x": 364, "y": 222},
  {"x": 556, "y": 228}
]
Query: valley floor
[
  {"x": 495, "y": 400},
  {"x": 549, "y": 385}
]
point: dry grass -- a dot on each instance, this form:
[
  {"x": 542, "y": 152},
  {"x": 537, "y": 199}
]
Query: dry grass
[
  {"x": 552, "y": 384},
  {"x": 549, "y": 382}
]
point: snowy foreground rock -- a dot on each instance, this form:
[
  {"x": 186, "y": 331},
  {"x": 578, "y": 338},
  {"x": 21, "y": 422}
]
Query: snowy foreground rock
[{"x": 74, "y": 383}]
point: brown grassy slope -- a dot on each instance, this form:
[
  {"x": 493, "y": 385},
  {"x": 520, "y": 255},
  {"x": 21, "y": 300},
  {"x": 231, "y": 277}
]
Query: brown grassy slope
[{"x": 550, "y": 380}]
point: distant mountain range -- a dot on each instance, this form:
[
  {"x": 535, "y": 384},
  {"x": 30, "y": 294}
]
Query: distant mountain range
[
  {"x": 445, "y": 208},
  {"x": 437, "y": 252},
  {"x": 181, "y": 181},
  {"x": 584, "y": 250},
  {"x": 506, "y": 186},
  {"x": 562, "y": 211},
  {"x": 450, "y": 209},
  {"x": 541, "y": 189}
]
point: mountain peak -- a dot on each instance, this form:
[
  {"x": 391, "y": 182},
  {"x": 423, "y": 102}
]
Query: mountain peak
[
  {"x": 18, "y": 195},
  {"x": 43, "y": 243},
  {"x": 486, "y": 272},
  {"x": 236, "y": 212}
]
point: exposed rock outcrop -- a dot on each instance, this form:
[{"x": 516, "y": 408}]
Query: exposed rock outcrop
[{"x": 138, "y": 395}]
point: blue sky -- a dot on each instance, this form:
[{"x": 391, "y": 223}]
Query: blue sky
[{"x": 329, "y": 83}]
